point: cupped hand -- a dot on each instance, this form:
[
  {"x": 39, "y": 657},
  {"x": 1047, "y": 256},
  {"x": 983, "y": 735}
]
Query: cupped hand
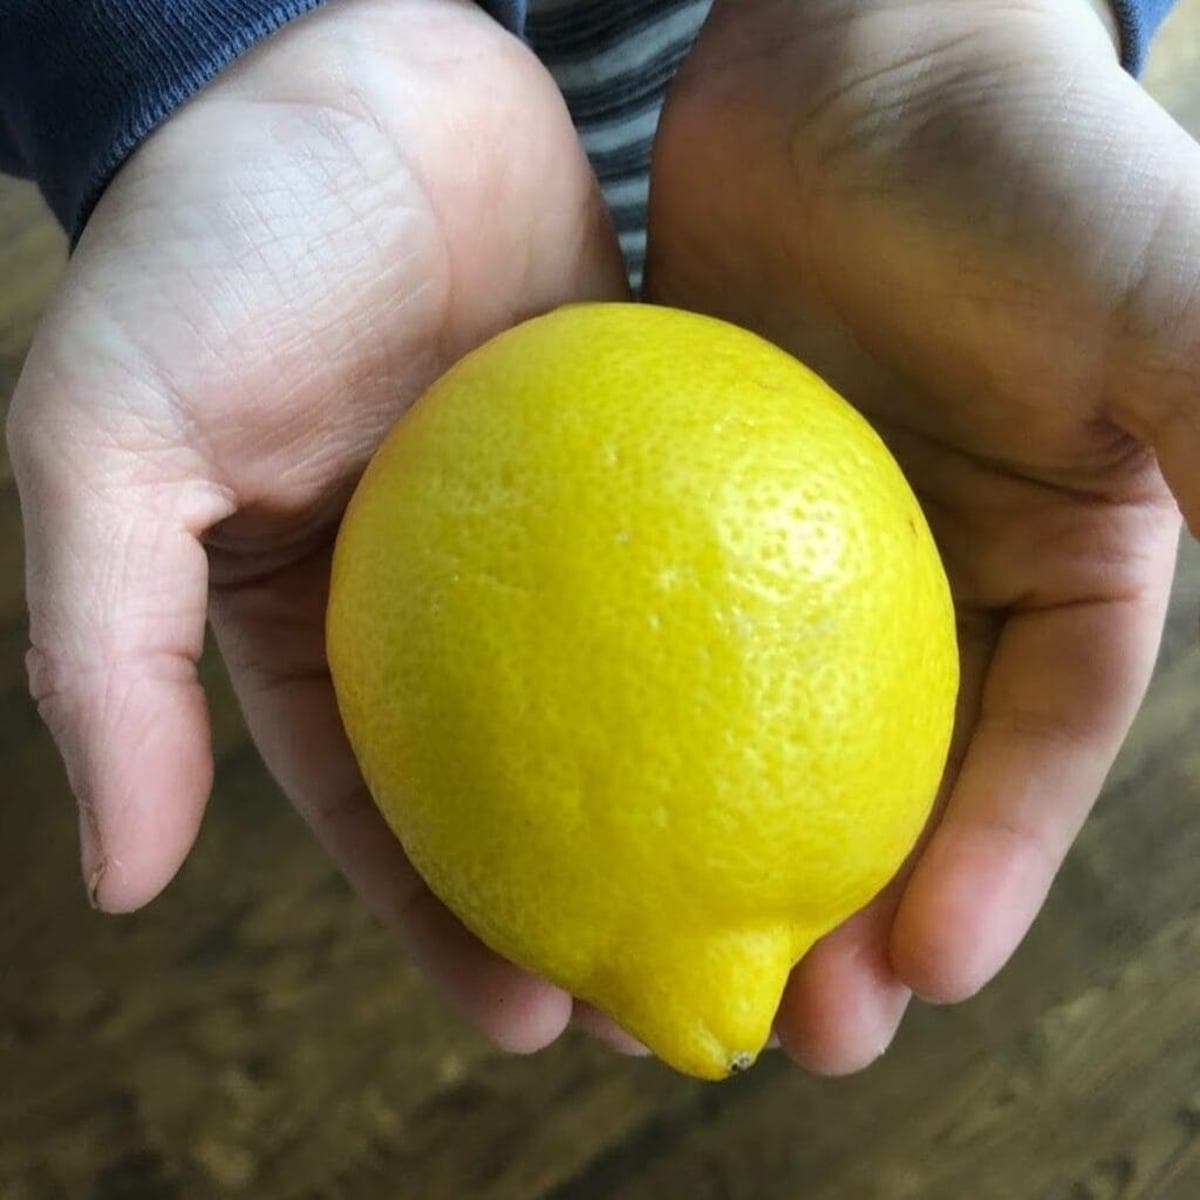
[
  {"x": 273, "y": 276},
  {"x": 987, "y": 236}
]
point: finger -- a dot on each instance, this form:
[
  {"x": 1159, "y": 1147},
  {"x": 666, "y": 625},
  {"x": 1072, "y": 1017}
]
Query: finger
[
  {"x": 514, "y": 1009},
  {"x": 116, "y": 584},
  {"x": 601, "y": 1026},
  {"x": 1061, "y": 692},
  {"x": 844, "y": 1002},
  {"x": 271, "y": 633}
]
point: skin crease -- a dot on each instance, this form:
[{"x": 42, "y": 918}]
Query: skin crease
[{"x": 965, "y": 215}]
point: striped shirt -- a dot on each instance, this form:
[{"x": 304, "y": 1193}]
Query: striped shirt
[{"x": 613, "y": 61}]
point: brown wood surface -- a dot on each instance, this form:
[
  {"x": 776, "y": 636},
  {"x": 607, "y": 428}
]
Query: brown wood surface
[{"x": 252, "y": 1034}]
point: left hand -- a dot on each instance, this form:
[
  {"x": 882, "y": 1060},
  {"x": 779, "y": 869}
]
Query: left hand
[
  {"x": 979, "y": 229},
  {"x": 269, "y": 281}
]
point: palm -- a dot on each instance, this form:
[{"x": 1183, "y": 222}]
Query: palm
[
  {"x": 302, "y": 249},
  {"x": 906, "y": 212}
]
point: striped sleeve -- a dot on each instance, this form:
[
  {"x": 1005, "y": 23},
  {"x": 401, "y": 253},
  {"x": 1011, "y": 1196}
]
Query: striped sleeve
[{"x": 613, "y": 60}]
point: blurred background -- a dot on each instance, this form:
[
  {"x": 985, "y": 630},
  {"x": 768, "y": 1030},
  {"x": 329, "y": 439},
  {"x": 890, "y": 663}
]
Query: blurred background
[{"x": 253, "y": 1034}]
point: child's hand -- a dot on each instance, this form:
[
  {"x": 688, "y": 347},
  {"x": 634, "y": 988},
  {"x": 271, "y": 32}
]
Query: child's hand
[
  {"x": 981, "y": 230},
  {"x": 271, "y": 278}
]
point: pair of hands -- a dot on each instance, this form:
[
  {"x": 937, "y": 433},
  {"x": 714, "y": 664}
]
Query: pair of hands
[{"x": 966, "y": 217}]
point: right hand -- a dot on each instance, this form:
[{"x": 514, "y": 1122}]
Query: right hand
[
  {"x": 269, "y": 281},
  {"x": 979, "y": 229}
]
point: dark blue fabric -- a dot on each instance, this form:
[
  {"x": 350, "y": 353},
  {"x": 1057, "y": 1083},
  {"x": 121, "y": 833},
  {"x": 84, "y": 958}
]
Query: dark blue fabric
[
  {"x": 508, "y": 12},
  {"x": 82, "y": 82},
  {"x": 1138, "y": 20}
]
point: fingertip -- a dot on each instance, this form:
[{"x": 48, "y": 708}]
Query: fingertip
[
  {"x": 843, "y": 1003},
  {"x": 140, "y": 811},
  {"x": 604, "y": 1028},
  {"x": 841, "y": 1035},
  {"x": 966, "y": 909},
  {"x": 935, "y": 972},
  {"x": 940, "y": 966},
  {"x": 528, "y": 1014},
  {"x": 117, "y": 892},
  {"x": 516, "y": 1010}
]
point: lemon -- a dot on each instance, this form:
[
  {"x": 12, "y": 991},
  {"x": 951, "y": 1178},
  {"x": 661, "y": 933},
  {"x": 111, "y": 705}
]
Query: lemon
[{"x": 648, "y": 658}]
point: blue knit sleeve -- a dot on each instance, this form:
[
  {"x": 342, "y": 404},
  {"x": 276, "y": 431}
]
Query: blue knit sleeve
[
  {"x": 1138, "y": 20},
  {"x": 82, "y": 82}
]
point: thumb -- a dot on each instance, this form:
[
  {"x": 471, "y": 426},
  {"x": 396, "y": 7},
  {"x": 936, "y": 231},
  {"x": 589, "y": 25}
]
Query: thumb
[{"x": 116, "y": 581}]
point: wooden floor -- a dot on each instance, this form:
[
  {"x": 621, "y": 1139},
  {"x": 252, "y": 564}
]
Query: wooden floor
[{"x": 252, "y": 1034}]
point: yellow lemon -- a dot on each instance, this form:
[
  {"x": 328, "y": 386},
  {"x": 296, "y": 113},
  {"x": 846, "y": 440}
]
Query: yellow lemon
[{"x": 648, "y": 657}]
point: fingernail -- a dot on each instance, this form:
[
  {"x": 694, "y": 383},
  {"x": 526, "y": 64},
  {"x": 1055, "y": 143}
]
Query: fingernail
[
  {"x": 93, "y": 884},
  {"x": 91, "y": 855}
]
